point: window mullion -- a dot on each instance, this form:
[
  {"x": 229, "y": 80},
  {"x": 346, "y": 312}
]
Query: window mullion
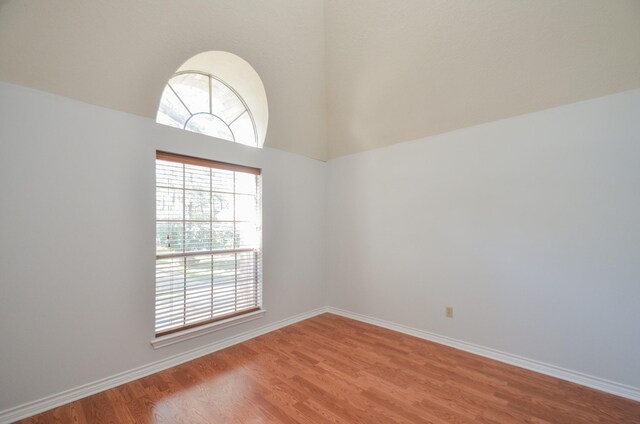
[
  {"x": 244, "y": 296},
  {"x": 184, "y": 245},
  {"x": 235, "y": 255},
  {"x": 211, "y": 225},
  {"x": 210, "y": 96}
]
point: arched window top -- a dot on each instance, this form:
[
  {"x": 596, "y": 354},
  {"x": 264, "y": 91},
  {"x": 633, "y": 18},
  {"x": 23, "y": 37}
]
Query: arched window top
[
  {"x": 216, "y": 94},
  {"x": 203, "y": 103}
]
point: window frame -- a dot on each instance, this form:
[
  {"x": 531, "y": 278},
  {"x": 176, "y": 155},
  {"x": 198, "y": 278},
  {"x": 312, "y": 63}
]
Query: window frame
[
  {"x": 215, "y": 323},
  {"x": 210, "y": 79}
]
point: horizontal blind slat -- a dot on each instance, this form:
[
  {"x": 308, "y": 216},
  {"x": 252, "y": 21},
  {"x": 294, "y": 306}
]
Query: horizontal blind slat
[
  {"x": 168, "y": 318},
  {"x": 219, "y": 294},
  {"x": 202, "y": 298},
  {"x": 170, "y": 329},
  {"x": 208, "y": 259}
]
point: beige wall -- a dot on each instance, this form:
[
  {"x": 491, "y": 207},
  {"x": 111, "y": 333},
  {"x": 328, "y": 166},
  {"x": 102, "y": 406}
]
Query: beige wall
[
  {"x": 391, "y": 70},
  {"x": 402, "y": 70},
  {"x": 120, "y": 53}
]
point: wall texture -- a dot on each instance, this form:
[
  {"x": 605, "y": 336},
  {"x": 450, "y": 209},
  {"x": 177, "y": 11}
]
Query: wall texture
[
  {"x": 341, "y": 76},
  {"x": 77, "y": 264},
  {"x": 527, "y": 226},
  {"x": 120, "y": 54},
  {"x": 403, "y": 70}
]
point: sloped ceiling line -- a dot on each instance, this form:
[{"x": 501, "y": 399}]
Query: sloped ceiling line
[{"x": 341, "y": 77}]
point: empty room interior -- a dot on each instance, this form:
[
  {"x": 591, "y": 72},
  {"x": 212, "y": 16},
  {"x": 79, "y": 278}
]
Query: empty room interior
[{"x": 320, "y": 211}]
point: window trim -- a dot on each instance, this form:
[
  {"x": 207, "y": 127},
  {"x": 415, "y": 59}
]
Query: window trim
[
  {"x": 211, "y": 77},
  {"x": 192, "y": 160},
  {"x": 207, "y": 322},
  {"x": 182, "y": 335},
  {"x": 176, "y": 335}
]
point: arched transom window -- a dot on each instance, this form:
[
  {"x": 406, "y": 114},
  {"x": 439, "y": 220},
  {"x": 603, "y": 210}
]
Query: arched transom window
[{"x": 203, "y": 103}]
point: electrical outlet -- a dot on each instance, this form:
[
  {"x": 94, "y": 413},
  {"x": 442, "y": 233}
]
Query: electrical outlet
[{"x": 449, "y": 311}]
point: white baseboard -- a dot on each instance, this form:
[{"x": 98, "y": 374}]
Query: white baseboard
[
  {"x": 50, "y": 402},
  {"x": 508, "y": 358}
]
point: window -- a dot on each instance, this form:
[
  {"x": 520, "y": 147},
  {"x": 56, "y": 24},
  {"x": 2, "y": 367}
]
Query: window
[
  {"x": 208, "y": 242},
  {"x": 202, "y": 103},
  {"x": 219, "y": 94}
]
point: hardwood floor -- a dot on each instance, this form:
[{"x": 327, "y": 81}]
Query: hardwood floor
[{"x": 330, "y": 369}]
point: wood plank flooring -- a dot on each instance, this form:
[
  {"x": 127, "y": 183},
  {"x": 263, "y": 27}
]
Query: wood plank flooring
[{"x": 330, "y": 369}]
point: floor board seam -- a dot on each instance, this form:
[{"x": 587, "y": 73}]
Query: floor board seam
[{"x": 561, "y": 373}]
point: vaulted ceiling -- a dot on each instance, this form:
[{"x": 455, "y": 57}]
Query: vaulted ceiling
[{"x": 341, "y": 76}]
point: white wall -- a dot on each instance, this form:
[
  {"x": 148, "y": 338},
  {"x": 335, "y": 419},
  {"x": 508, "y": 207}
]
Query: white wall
[
  {"x": 529, "y": 227},
  {"x": 77, "y": 203}
]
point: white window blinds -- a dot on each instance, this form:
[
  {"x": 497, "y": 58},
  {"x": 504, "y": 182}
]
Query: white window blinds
[{"x": 208, "y": 241}]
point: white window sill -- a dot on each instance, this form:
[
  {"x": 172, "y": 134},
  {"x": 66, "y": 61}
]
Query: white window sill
[{"x": 191, "y": 333}]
